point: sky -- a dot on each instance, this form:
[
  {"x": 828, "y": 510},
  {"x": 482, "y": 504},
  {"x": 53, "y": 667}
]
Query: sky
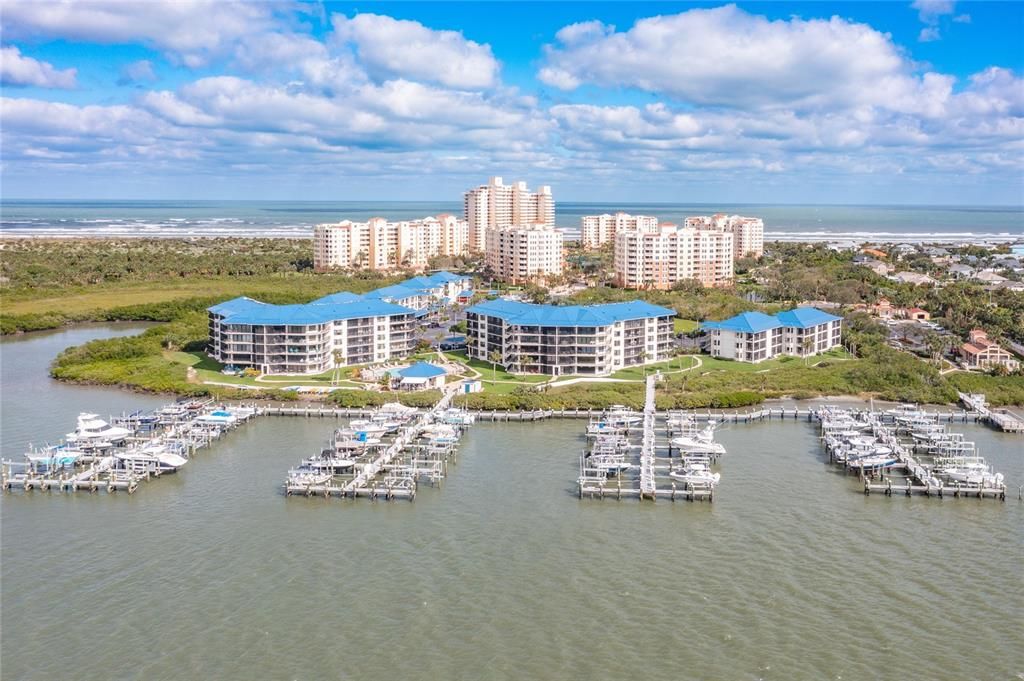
[{"x": 765, "y": 102}]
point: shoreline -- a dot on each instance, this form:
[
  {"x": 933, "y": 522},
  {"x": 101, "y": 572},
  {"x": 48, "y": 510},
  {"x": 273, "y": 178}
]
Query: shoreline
[{"x": 571, "y": 234}]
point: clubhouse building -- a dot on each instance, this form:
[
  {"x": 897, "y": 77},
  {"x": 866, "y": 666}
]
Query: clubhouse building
[{"x": 592, "y": 340}]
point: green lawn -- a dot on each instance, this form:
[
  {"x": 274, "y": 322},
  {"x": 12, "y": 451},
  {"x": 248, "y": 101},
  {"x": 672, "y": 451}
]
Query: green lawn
[
  {"x": 714, "y": 364},
  {"x": 685, "y": 325},
  {"x": 498, "y": 374},
  {"x": 638, "y": 373},
  {"x": 208, "y": 370}
]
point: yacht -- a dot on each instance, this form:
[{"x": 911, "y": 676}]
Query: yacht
[
  {"x": 95, "y": 432},
  {"x": 699, "y": 443},
  {"x": 153, "y": 457}
]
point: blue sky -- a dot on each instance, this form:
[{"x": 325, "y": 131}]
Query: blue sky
[{"x": 872, "y": 102}]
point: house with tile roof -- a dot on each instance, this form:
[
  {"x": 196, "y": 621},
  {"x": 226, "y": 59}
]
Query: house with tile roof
[{"x": 981, "y": 353}]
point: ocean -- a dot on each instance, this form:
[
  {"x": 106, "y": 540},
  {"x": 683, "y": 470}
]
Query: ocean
[{"x": 295, "y": 219}]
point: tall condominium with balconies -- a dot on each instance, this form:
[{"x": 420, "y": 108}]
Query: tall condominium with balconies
[
  {"x": 597, "y": 230},
  {"x": 381, "y": 245},
  {"x": 524, "y": 254},
  {"x": 592, "y": 340},
  {"x": 496, "y": 205},
  {"x": 748, "y": 233},
  {"x": 657, "y": 259}
]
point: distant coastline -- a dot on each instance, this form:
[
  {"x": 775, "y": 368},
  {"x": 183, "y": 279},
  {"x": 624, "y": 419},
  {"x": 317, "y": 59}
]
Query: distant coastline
[{"x": 295, "y": 220}]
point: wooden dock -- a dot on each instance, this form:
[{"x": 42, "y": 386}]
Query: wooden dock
[{"x": 649, "y": 467}]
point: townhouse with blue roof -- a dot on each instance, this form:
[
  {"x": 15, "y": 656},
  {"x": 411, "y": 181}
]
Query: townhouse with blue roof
[
  {"x": 591, "y": 340},
  {"x": 336, "y": 330},
  {"x": 755, "y": 336}
]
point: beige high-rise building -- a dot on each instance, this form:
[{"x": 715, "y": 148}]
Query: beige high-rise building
[
  {"x": 657, "y": 259},
  {"x": 597, "y": 230},
  {"x": 381, "y": 245},
  {"x": 748, "y": 233},
  {"x": 496, "y": 205},
  {"x": 519, "y": 255}
]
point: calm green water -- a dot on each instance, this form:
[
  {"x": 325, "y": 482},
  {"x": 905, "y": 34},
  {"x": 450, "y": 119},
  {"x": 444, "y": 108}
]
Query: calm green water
[{"x": 502, "y": 573}]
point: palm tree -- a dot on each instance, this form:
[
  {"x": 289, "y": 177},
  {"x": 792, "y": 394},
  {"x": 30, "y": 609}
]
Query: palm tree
[
  {"x": 527, "y": 361},
  {"x": 494, "y": 357},
  {"x": 937, "y": 345},
  {"x": 806, "y": 346},
  {"x": 339, "y": 362}
]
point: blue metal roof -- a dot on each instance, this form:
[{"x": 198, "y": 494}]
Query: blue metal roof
[
  {"x": 419, "y": 370},
  {"x": 444, "y": 277},
  {"x": 341, "y": 305},
  {"x": 756, "y": 322},
  {"x": 468, "y": 293},
  {"x": 339, "y": 297},
  {"x": 248, "y": 311},
  {"x": 396, "y": 292},
  {"x": 528, "y": 314},
  {"x": 746, "y": 322},
  {"x": 805, "y": 317}
]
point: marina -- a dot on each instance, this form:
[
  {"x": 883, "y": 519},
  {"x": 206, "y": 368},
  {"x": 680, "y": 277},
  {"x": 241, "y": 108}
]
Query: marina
[
  {"x": 118, "y": 454},
  {"x": 617, "y": 465},
  {"x": 508, "y": 517},
  {"x": 904, "y": 450},
  {"x": 360, "y": 465}
]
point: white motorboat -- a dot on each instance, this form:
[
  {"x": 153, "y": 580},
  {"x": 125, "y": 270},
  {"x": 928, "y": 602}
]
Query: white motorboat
[
  {"x": 457, "y": 417},
  {"x": 608, "y": 464},
  {"x": 619, "y": 415},
  {"x": 876, "y": 457},
  {"x": 220, "y": 417},
  {"x": 308, "y": 476},
  {"x": 602, "y": 427},
  {"x": 700, "y": 443},
  {"x": 53, "y": 458},
  {"x": 695, "y": 473},
  {"x": 328, "y": 462},
  {"x": 92, "y": 430},
  {"x": 153, "y": 457},
  {"x": 371, "y": 428},
  {"x": 358, "y": 437}
]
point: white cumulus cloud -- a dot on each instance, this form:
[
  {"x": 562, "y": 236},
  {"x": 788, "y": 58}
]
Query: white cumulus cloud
[
  {"x": 728, "y": 57},
  {"x": 390, "y": 47},
  {"x": 18, "y": 70}
]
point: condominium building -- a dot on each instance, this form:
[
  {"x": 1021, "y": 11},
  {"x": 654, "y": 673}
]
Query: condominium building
[
  {"x": 523, "y": 254},
  {"x": 755, "y": 337},
  {"x": 496, "y": 205},
  {"x": 336, "y": 330},
  {"x": 593, "y": 340},
  {"x": 657, "y": 259},
  {"x": 303, "y": 339},
  {"x": 748, "y": 233},
  {"x": 381, "y": 245},
  {"x": 597, "y": 230}
]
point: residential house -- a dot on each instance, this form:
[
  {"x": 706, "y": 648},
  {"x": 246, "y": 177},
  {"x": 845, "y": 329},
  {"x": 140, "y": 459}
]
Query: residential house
[{"x": 981, "y": 353}]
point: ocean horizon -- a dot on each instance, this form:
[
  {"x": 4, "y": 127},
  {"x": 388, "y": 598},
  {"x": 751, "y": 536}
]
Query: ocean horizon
[{"x": 168, "y": 218}]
